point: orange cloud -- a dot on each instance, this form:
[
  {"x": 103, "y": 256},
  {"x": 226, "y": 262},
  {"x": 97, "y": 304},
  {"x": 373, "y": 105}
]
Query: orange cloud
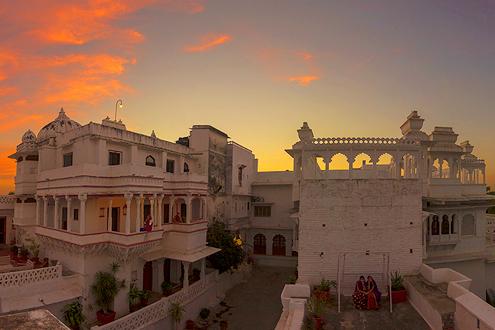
[
  {"x": 303, "y": 80},
  {"x": 306, "y": 56},
  {"x": 73, "y": 53},
  {"x": 208, "y": 42}
]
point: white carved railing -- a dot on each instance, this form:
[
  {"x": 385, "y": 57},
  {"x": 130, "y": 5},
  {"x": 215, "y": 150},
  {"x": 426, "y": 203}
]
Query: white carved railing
[
  {"x": 159, "y": 310},
  {"x": 20, "y": 278},
  {"x": 361, "y": 140}
]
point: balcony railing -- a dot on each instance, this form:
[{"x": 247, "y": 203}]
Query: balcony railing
[
  {"x": 25, "y": 277},
  {"x": 103, "y": 237},
  {"x": 445, "y": 239},
  {"x": 159, "y": 310}
]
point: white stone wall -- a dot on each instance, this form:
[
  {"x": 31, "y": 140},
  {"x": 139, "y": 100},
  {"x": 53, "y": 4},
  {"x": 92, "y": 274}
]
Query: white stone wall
[{"x": 339, "y": 216}]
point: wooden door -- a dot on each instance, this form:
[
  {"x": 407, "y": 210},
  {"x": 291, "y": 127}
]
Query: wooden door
[
  {"x": 148, "y": 276},
  {"x": 64, "y": 218},
  {"x": 115, "y": 218}
]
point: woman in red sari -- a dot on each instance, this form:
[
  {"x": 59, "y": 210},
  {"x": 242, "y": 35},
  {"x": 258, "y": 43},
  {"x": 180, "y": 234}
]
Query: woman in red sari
[
  {"x": 371, "y": 299},
  {"x": 359, "y": 297}
]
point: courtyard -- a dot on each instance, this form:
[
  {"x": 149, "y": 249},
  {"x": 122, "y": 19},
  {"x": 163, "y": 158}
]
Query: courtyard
[{"x": 254, "y": 304}]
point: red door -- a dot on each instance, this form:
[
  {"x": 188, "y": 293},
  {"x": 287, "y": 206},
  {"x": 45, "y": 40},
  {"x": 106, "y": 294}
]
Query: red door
[
  {"x": 148, "y": 276},
  {"x": 278, "y": 247}
]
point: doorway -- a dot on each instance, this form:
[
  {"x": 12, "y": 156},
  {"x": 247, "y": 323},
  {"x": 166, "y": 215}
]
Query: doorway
[
  {"x": 3, "y": 230},
  {"x": 64, "y": 218},
  {"x": 166, "y": 270},
  {"x": 115, "y": 218},
  {"x": 148, "y": 276},
  {"x": 146, "y": 210}
]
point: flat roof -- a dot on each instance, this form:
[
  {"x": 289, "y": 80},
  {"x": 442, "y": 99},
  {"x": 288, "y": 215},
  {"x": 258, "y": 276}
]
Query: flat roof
[{"x": 35, "y": 319}]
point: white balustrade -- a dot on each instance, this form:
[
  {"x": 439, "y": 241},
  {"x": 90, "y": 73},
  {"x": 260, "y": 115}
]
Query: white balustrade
[
  {"x": 362, "y": 140},
  {"x": 159, "y": 310},
  {"x": 25, "y": 277}
]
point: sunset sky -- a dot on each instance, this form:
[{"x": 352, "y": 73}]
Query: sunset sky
[{"x": 255, "y": 69}]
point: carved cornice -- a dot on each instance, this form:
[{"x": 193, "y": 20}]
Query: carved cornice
[{"x": 119, "y": 252}]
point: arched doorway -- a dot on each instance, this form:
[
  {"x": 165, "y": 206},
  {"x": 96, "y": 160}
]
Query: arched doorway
[
  {"x": 278, "y": 247},
  {"x": 259, "y": 244}
]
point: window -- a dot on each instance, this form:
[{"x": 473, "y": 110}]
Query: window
[
  {"x": 468, "y": 226},
  {"x": 76, "y": 215},
  {"x": 186, "y": 168},
  {"x": 170, "y": 166},
  {"x": 150, "y": 161},
  {"x": 259, "y": 244},
  {"x": 435, "y": 226},
  {"x": 114, "y": 158},
  {"x": 239, "y": 174},
  {"x": 445, "y": 225},
  {"x": 68, "y": 159},
  {"x": 278, "y": 247},
  {"x": 262, "y": 211}
]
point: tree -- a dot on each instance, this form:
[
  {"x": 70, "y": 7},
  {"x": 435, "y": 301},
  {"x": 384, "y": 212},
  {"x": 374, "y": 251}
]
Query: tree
[{"x": 231, "y": 254}]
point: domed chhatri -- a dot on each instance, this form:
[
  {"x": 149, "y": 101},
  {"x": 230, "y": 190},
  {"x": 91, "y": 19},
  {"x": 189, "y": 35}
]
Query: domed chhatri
[
  {"x": 29, "y": 137},
  {"x": 61, "y": 124}
]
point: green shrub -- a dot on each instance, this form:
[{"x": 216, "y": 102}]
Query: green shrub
[
  {"x": 73, "y": 315},
  {"x": 106, "y": 286}
]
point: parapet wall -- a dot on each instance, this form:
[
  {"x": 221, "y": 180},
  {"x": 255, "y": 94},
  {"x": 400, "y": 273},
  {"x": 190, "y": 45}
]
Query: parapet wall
[{"x": 375, "y": 216}]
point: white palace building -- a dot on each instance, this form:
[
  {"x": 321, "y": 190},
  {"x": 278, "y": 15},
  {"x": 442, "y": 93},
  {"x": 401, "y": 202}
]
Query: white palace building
[{"x": 98, "y": 193}]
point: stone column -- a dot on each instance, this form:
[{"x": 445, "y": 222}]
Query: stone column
[
  {"x": 128, "y": 203},
  {"x": 160, "y": 212},
  {"x": 188, "y": 208},
  {"x": 56, "y": 222},
  {"x": 484, "y": 176},
  {"x": 440, "y": 167},
  {"x": 82, "y": 213},
  {"x": 69, "y": 213},
  {"x": 109, "y": 222},
  {"x": 160, "y": 276},
  {"x": 38, "y": 211},
  {"x": 327, "y": 163},
  {"x": 185, "y": 283},
  {"x": 45, "y": 211},
  {"x": 152, "y": 209},
  {"x": 171, "y": 209},
  {"x": 138, "y": 212}
]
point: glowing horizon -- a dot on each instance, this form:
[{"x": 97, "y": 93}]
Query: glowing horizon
[{"x": 349, "y": 69}]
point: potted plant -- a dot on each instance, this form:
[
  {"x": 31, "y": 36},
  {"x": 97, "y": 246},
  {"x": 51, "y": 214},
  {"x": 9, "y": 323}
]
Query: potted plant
[
  {"x": 176, "y": 312},
  {"x": 34, "y": 249},
  {"x": 167, "y": 288},
  {"x": 322, "y": 291},
  {"x": 134, "y": 297},
  {"x": 105, "y": 288},
  {"x": 292, "y": 279},
  {"x": 73, "y": 315},
  {"x": 190, "y": 325},
  {"x": 13, "y": 252},
  {"x": 204, "y": 313},
  {"x": 144, "y": 296},
  {"x": 23, "y": 254},
  {"x": 399, "y": 293},
  {"x": 316, "y": 309}
]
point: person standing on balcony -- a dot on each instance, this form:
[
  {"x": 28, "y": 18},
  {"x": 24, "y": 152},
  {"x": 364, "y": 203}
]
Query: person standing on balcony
[{"x": 148, "y": 223}]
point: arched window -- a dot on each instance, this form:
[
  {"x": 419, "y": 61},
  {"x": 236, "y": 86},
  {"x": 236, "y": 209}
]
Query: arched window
[
  {"x": 186, "y": 168},
  {"x": 435, "y": 226},
  {"x": 150, "y": 161},
  {"x": 468, "y": 226},
  {"x": 445, "y": 225},
  {"x": 259, "y": 246},
  {"x": 453, "y": 225},
  {"x": 278, "y": 247}
]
